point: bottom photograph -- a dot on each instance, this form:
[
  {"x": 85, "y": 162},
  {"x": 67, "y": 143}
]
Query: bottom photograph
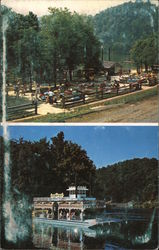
[{"x": 79, "y": 187}]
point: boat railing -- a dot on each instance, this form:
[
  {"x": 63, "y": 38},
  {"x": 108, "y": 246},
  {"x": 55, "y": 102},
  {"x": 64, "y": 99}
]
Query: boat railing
[
  {"x": 70, "y": 206},
  {"x": 43, "y": 199}
]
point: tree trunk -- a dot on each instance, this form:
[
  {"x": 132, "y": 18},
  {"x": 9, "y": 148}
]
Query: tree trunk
[
  {"x": 39, "y": 79},
  {"x": 54, "y": 76},
  {"x": 138, "y": 69},
  {"x": 54, "y": 70},
  {"x": 146, "y": 67},
  {"x": 30, "y": 80},
  {"x": 70, "y": 75}
]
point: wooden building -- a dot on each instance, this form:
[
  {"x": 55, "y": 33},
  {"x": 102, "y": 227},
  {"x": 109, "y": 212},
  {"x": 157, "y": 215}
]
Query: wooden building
[{"x": 112, "y": 68}]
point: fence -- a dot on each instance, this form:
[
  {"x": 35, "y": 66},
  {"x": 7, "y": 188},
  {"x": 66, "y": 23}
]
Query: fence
[
  {"x": 85, "y": 97},
  {"x": 20, "y": 111}
]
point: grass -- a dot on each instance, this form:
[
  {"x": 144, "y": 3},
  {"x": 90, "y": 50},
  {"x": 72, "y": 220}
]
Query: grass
[
  {"x": 135, "y": 97},
  {"x": 80, "y": 111},
  {"x": 61, "y": 117},
  {"x": 14, "y": 101}
]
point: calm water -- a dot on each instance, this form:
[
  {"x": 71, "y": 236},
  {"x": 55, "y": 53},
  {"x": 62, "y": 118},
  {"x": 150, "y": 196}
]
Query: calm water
[{"x": 134, "y": 229}]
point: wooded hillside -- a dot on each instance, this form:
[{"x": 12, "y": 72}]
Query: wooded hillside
[
  {"x": 130, "y": 180},
  {"x": 120, "y": 27}
]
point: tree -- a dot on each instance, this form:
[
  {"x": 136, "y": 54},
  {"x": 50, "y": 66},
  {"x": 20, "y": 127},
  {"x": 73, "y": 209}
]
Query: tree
[
  {"x": 144, "y": 52},
  {"x": 73, "y": 166},
  {"x": 69, "y": 40},
  {"x": 134, "y": 179},
  {"x": 121, "y": 26},
  {"x": 39, "y": 48},
  {"x": 42, "y": 167},
  {"x": 22, "y": 46}
]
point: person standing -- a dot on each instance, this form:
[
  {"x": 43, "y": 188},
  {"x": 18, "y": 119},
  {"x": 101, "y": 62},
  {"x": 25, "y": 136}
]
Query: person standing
[
  {"x": 37, "y": 91},
  {"x": 51, "y": 97},
  {"x": 68, "y": 216},
  {"x": 17, "y": 89}
]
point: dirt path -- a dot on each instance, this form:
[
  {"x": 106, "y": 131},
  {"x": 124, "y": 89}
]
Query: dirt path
[
  {"x": 43, "y": 108},
  {"x": 143, "y": 111},
  {"x": 46, "y": 108}
]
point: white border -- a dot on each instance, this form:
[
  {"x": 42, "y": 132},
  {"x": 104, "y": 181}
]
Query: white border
[{"x": 26, "y": 124}]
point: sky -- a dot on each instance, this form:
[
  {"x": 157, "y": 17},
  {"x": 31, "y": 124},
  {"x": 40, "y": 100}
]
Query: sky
[
  {"x": 40, "y": 7},
  {"x": 105, "y": 145}
]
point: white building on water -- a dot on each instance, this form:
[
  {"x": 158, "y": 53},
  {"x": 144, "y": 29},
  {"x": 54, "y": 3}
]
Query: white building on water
[{"x": 60, "y": 207}]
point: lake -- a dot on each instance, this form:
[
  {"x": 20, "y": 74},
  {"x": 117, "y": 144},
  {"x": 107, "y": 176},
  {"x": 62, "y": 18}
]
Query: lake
[{"x": 133, "y": 229}]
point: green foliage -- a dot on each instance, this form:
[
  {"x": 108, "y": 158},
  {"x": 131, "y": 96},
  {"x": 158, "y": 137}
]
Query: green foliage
[
  {"x": 39, "y": 48},
  {"x": 121, "y": 26},
  {"x": 144, "y": 52},
  {"x": 69, "y": 39},
  {"x": 22, "y": 47},
  {"x": 128, "y": 180},
  {"x": 44, "y": 167}
]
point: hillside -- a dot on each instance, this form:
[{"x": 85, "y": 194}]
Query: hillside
[
  {"x": 119, "y": 27},
  {"x": 129, "y": 180}
]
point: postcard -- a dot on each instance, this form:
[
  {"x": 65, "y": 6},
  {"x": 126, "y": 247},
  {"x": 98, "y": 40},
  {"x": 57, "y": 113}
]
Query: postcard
[
  {"x": 79, "y": 124},
  {"x": 80, "y": 187},
  {"x": 80, "y": 61}
]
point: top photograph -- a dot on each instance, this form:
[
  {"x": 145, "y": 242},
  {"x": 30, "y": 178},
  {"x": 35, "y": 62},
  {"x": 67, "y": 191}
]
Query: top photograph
[{"x": 76, "y": 61}]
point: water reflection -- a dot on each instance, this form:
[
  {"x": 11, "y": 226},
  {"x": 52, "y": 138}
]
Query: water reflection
[
  {"x": 130, "y": 233},
  {"x": 46, "y": 236}
]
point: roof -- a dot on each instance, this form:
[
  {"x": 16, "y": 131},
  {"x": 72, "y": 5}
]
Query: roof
[
  {"x": 71, "y": 188},
  {"x": 78, "y": 188},
  {"x": 110, "y": 64},
  {"x": 82, "y": 188}
]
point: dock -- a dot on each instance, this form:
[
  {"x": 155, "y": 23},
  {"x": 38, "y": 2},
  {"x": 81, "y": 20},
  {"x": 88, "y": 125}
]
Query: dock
[{"x": 77, "y": 223}]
